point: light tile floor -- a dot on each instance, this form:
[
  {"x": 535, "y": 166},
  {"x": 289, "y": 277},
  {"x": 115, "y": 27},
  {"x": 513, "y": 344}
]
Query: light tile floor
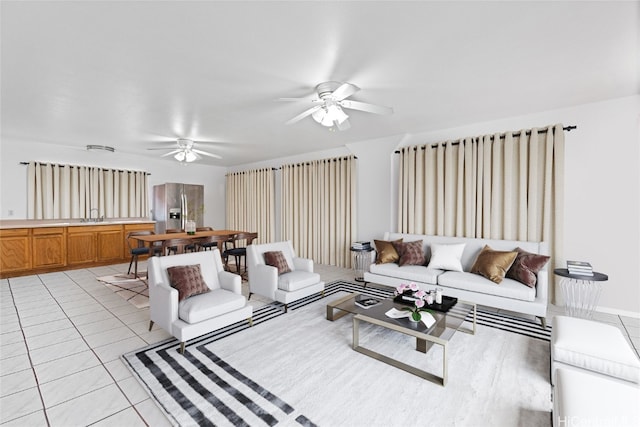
[{"x": 61, "y": 336}]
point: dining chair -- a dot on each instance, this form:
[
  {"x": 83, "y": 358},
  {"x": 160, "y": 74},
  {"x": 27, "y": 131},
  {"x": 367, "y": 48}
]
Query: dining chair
[
  {"x": 140, "y": 249},
  {"x": 211, "y": 242},
  {"x": 236, "y": 247},
  {"x": 177, "y": 246},
  {"x": 205, "y": 243},
  {"x": 175, "y": 231}
]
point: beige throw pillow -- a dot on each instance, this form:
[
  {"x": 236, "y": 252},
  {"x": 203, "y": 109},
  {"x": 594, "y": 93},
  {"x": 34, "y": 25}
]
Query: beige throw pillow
[
  {"x": 493, "y": 264},
  {"x": 386, "y": 252}
]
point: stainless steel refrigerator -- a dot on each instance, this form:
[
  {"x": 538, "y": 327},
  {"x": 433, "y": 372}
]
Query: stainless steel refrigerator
[{"x": 174, "y": 204}]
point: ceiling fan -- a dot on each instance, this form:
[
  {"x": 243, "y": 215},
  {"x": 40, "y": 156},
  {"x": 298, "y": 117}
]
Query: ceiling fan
[
  {"x": 331, "y": 99},
  {"x": 185, "y": 151}
]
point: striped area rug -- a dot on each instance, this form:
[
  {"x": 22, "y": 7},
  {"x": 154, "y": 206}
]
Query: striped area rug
[{"x": 205, "y": 386}]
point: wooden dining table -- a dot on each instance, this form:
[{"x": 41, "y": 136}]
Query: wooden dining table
[{"x": 150, "y": 239}]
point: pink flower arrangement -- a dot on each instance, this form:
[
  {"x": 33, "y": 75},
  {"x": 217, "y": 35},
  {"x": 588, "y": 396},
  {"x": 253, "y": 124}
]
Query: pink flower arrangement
[{"x": 419, "y": 303}]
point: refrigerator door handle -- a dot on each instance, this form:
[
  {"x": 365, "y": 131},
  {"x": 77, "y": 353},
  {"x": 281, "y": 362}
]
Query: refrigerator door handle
[{"x": 185, "y": 210}]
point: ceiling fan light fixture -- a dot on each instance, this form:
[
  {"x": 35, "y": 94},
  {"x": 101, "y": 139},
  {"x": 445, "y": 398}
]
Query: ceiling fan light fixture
[
  {"x": 190, "y": 156},
  {"x": 180, "y": 156},
  {"x": 329, "y": 115}
]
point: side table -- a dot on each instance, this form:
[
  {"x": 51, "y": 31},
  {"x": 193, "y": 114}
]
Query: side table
[
  {"x": 361, "y": 260},
  {"x": 580, "y": 293}
]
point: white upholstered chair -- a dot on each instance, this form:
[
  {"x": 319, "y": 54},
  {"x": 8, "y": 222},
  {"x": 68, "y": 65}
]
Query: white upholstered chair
[
  {"x": 197, "y": 315},
  {"x": 265, "y": 281}
]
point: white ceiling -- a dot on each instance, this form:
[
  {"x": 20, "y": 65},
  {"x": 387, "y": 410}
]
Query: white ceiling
[{"x": 131, "y": 74}]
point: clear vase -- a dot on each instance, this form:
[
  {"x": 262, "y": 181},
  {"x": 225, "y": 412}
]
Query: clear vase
[{"x": 190, "y": 227}]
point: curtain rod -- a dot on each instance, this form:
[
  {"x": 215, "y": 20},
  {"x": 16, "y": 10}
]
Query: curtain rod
[
  {"x": 76, "y": 166},
  {"x": 435, "y": 145},
  {"x": 335, "y": 159}
]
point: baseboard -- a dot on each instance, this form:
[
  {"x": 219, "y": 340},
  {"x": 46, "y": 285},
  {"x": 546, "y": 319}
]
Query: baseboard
[{"x": 618, "y": 312}]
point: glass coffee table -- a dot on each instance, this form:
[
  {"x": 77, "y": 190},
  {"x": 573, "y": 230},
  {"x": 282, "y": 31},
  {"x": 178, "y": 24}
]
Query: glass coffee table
[{"x": 439, "y": 333}]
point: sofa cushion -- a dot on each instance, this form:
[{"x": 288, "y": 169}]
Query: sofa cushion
[
  {"x": 583, "y": 399},
  {"x": 386, "y": 251},
  {"x": 297, "y": 279},
  {"x": 447, "y": 256},
  {"x": 277, "y": 259},
  {"x": 509, "y": 288},
  {"x": 410, "y": 253},
  {"x": 593, "y": 346},
  {"x": 493, "y": 264},
  {"x": 187, "y": 279},
  {"x": 411, "y": 273},
  {"x": 526, "y": 267},
  {"x": 209, "y": 305}
]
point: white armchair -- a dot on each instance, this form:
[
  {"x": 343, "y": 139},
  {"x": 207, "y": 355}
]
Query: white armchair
[
  {"x": 264, "y": 280},
  {"x": 197, "y": 315}
]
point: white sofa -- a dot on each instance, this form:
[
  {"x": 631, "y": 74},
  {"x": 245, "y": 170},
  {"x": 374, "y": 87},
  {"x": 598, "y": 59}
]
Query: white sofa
[
  {"x": 223, "y": 305},
  {"x": 264, "y": 280},
  {"x": 508, "y": 295}
]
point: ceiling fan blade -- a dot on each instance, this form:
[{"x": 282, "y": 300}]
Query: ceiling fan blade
[
  {"x": 304, "y": 114},
  {"x": 293, "y": 99},
  {"x": 345, "y": 90},
  {"x": 344, "y": 125},
  {"x": 204, "y": 153},
  {"x": 170, "y": 153},
  {"x": 162, "y": 148},
  {"x": 369, "y": 108}
]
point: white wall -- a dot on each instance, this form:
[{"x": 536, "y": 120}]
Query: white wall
[{"x": 13, "y": 175}]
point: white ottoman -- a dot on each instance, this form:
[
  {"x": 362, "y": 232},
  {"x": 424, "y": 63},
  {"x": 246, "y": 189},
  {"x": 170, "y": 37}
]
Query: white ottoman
[
  {"x": 592, "y": 346},
  {"x": 584, "y": 399}
]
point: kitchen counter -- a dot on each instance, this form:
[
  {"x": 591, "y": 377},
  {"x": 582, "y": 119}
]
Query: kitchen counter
[
  {"x": 38, "y": 223},
  {"x": 43, "y": 246}
]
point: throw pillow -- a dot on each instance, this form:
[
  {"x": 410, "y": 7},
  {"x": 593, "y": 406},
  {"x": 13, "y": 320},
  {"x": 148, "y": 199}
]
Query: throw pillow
[
  {"x": 526, "y": 267},
  {"x": 386, "y": 252},
  {"x": 446, "y": 257},
  {"x": 493, "y": 264},
  {"x": 276, "y": 259},
  {"x": 410, "y": 253},
  {"x": 187, "y": 279}
]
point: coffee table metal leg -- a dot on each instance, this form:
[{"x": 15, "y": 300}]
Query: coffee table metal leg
[
  {"x": 393, "y": 362},
  {"x": 331, "y": 307}
]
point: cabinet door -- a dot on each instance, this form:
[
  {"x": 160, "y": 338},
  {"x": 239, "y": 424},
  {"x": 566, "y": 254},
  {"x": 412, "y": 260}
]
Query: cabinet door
[
  {"x": 15, "y": 250},
  {"x": 81, "y": 246},
  {"x": 49, "y": 247},
  {"x": 110, "y": 244}
]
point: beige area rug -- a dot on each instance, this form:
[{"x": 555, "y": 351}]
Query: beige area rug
[{"x": 128, "y": 287}]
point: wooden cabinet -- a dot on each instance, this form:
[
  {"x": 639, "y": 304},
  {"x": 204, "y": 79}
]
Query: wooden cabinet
[
  {"x": 43, "y": 249},
  {"x": 81, "y": 245},
  {"x": 109, "y": 243},
  {"x": 49, "y": 247},
  {"x": 15, "y": 248}
]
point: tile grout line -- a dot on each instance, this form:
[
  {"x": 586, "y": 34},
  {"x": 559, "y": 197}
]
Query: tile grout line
[{"x": 26, "y": 344}]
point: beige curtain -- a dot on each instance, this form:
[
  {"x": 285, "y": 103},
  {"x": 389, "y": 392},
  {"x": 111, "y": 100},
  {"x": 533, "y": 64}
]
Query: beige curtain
[
  {"x": 71, "y": 192},
  {"x": 250, "y": 202},
  {"x": 504, "y": 186},
  {"x": 319, "y": 209}
]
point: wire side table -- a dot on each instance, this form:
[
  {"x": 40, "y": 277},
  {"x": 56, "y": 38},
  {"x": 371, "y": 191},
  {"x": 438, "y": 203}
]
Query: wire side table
[{"x": 580, "y": 293}]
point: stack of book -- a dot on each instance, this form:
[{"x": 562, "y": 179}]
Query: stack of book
[
  {"x": 361, "y": 246},
  {"x": 581, "y": 268}
]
